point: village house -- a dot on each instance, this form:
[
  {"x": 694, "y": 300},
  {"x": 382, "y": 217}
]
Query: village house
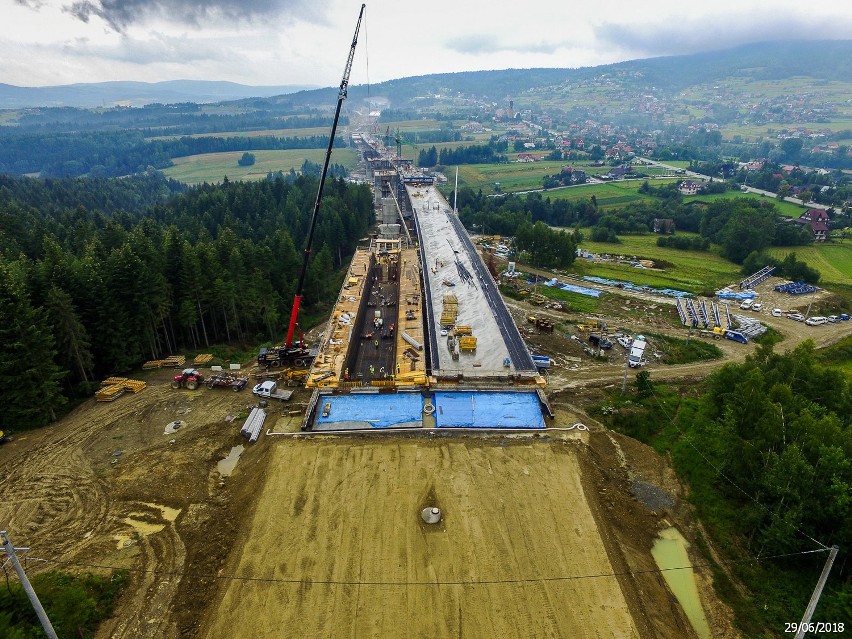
[
  {"x": 817, "y": 220},
  {"x": 689, "y": 187}
]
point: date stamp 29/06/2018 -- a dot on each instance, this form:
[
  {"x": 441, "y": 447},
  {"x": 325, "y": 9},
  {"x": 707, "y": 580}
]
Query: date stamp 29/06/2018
[{"x": 815, "y": 626}]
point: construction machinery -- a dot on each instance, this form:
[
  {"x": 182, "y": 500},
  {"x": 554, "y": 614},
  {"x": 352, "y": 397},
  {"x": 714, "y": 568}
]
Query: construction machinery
[
  {"x": 227, "y": 380},
  {"x": 188, "y": 378},
  {"x": 291, "y": 353}
]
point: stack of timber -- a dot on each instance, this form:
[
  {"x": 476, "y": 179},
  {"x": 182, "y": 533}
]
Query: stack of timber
[
  {"x": 172, "y": 361},
  {"x": 202, "y": 358},
  {"x": 467, "y": 343},
  {"x": 114, "y": 387},
  {"x": 451, "y": 310},
  {"x": 253, "y": 425}
]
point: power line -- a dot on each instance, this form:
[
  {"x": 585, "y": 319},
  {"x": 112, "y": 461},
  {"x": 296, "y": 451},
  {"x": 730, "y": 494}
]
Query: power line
[{"x": 459, "y": 582}]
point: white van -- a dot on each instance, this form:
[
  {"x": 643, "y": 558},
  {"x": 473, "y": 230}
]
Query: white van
[
  {"x": 746, "y": 305},
  {"x": 815, "y": 321},
  {"x": 636, "y": 357}
]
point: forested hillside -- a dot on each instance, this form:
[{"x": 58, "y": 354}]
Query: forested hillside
[
  {"x": 98, "y": 275},
  {"x": 765, "y": 447}
]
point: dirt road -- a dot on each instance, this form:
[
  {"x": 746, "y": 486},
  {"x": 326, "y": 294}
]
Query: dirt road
[{"x": 105, "y": 486}]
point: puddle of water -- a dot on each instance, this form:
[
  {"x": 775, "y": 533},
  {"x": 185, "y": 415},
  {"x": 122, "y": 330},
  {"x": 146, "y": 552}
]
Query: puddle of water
[
  {"x": 669, "y": 551},
  {"x": 142, "y": 528},
  {"x": 226, "y": 466},
  {"x": 169, "y": 514}
]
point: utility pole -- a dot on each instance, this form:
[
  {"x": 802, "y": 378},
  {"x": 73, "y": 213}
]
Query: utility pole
[
  {"x": 812, "y": 604},
  {"x": 9, "y": 549},
  {"x": 624, "y": 381}
]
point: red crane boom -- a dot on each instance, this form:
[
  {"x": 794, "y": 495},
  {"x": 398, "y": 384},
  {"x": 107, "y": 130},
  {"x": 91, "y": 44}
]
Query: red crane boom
[{"x": 341, "y": 96}]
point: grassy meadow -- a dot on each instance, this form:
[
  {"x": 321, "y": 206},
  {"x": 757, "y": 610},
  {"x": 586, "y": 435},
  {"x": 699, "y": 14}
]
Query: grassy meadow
[
  {"x": 831, "y": 259},
  {"x": 213, "y": 167},
  {"x": 693, "y": 271},
  {"x": 787, "y": 209}
]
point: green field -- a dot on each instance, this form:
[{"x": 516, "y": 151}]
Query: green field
[
  {"x": 608, "y": 195},
  {"x": 693, "y": 271},
  {"x": 213, "y": 167},
  {"x": 787, "y": 209},
  {"x": 832, "y": 260},
  {"x": 514, "y": 176}
]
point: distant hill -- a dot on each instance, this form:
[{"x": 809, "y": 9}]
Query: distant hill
[
  {"x": 86, "y": 95},
  {"x": 823, "y": 60}
]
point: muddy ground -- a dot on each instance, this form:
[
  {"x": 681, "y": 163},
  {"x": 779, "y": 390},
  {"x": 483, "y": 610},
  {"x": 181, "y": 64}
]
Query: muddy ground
[{"x": 106, "y": 487}]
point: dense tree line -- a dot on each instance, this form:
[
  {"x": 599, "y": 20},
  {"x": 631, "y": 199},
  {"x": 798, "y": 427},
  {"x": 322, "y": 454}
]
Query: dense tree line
[
  {"x": 113, "y": 154},
  {"x": 473, "y": 154},
  {"x": 86, "y": 292},
  {"x": 767, "y": 451},
  {"x": 168, "y": 119}
]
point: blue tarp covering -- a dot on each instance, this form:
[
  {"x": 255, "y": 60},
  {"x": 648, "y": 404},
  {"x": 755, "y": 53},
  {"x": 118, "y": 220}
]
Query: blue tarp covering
[
  {"x": 582, "y": 290},
  {"x": 630, "y": 286},
  {"x": 728, "y": 294},
  {"x": 378, "y": 411},
  {"x": 487, "y": 410}
]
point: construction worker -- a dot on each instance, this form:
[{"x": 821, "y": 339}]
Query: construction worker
[
  {"x": 372, "y": 369},
  {"x": 376, "y": 342},
  {"x": 346, "y": 374},
  {"x": 397, "y": 368}
]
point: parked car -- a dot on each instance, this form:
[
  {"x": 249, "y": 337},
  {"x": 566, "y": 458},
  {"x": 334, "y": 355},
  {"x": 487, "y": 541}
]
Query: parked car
[
  {"x": 599, "y": 340},
  {"x": 745, "y": 305},
  {"x": 624, "y": 341},
  {"x": 796, "y": 316},
  {"x": 833, "y": 319},
  {"x": 816, "y": 321},
  {"x": 843, "y": 317},
  {"x": 757, "y": 307},
  {"x": 776, "y": 312}
]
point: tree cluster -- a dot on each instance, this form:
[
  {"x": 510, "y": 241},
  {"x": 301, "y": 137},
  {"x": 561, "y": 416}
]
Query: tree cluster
[{"x": 86, "y": 293}]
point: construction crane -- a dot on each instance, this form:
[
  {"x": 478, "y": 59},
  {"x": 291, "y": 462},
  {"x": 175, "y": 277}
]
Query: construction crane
[{"x": 291, "y": 353}]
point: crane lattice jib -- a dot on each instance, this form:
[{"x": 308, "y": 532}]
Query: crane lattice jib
[{"x": 341, "y": 96}]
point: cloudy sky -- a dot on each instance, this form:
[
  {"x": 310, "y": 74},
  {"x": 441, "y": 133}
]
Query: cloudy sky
[{"x": 276, "y": 42}]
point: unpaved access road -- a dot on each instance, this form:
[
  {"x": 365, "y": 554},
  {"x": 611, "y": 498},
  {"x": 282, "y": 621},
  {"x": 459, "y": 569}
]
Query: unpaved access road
[
  {"x": 106, "y": 487},
  {"x": 336, "y": 546}
]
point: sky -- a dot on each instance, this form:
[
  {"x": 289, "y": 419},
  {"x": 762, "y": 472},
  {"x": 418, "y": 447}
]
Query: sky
[{"x": 306, "y": 42}]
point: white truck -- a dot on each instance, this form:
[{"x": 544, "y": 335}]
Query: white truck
[
  {"x": 270, "y": 390},
  {"x": 636, "y": 357}
]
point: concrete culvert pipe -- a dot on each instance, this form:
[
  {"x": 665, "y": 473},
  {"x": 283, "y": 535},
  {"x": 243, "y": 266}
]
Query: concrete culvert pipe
[{"x": 431, "y": 514}]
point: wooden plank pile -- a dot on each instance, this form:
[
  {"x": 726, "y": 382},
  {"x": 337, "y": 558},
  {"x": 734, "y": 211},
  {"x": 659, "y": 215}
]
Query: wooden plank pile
[
  {"x": 202, "y": 358},
  {"x": 172, "y": 361},
  {"x": 450, "y": 311},
  {"x": 114, "y": 387},
  {"x": 467, "y": 343}
]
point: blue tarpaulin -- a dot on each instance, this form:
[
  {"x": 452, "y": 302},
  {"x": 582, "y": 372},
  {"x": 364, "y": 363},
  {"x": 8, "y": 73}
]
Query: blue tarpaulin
[
  {"x": 582, "y": 290},
  {"x": 487, "y": 410},
  {"x": 370, "y": 411}
]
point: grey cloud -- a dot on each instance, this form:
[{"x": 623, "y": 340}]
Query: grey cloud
[
  {"x": 484, "y": 44},
  {"x": 120, "y": 14},
  {"x": 713, "y": 32},
  {"x": 159, "y": 49},
  {"x": 31, "y": 4}
]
